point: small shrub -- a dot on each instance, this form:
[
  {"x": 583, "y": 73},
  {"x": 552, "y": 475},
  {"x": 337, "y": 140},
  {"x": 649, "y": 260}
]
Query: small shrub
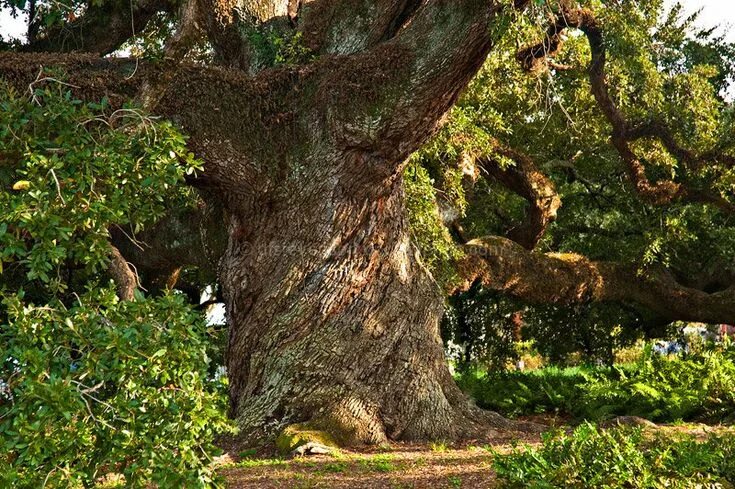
[
  {"x": 106, "y": 387},
  {"x": 439, "y": 446}
]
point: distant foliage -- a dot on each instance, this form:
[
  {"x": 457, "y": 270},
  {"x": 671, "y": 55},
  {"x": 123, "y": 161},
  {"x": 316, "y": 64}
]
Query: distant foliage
[
  {"x": 591, "y": 457},
  {"x": 594, "y": 331},
  {"x": 660, "y": 66},
  {"x": 700, "y": 387},
  {"x": 482, "y": 329}
]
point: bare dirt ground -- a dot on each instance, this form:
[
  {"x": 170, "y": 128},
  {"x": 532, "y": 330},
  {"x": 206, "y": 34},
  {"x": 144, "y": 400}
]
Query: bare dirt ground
[
  {"x": 402, "y": 467},
  {"x": 395, "y": 466}
]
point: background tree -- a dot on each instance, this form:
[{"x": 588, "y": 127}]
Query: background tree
[{"x": 574, "y": 159}]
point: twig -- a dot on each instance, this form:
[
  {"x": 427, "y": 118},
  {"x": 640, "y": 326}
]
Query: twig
[
  {"x": 44, "y": 79},
  {"x": 58, "y": 186}
]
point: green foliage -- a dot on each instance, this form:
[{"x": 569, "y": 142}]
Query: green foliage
[
  {"x": 595, "y": 331},
  {"x": 482, "y": 328},
  {"x": 71, "y": 170},
  {"x": 659, "y": 66},
  {"x": 478, "y": 328},
  {"x": 590, "y": 457},
  {"x": 513, "y": 393},
  {"x": 430, "y": 235},
  {"x": 150, "y": 43},
  {"x": 106, "y": 386},
  {"x": 90, "y": 385},
  {"x": 273, "y": 47},
  {"x": 699, "y": 387}
]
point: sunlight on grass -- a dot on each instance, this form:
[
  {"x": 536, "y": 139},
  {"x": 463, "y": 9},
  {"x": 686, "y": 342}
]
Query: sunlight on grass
[{"x": 439, "y": 446}]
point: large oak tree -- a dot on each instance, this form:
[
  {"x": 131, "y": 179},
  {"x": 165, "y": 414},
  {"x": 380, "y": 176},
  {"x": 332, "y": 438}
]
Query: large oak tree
[{"x": 333, "y": 317}]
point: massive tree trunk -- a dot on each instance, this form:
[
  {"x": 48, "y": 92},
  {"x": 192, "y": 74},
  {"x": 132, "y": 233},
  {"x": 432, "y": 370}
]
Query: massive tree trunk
[{"x": 333, "y": 318}]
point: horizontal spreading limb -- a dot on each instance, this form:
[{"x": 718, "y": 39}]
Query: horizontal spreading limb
[{"x": 566, "y": 279}]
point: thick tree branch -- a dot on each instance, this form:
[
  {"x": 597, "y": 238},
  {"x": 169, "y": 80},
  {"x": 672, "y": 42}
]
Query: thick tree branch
[
  {"x": 345, "y": 27},
  {"x": 571, "y": 279},
  {"x": 400, "y": 90},
  {"x": 188, "y": 32},
  {"x": 325, "y": 26},
  {"x": 375, "y": 107},
  {"x": 102, "y": 29},
  {"x": 87, "y": 76},
  {"x": 232, "y": 119},
  {"x": 526, "y": 180}
]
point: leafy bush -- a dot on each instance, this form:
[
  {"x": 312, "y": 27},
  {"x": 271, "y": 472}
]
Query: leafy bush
[
  {"x": 106, "y": 386},
  {"x": 701, "y": 387},
  {"x": 90, "y": 385},
  {"x": 72, "y": 170},
  {"x": 658, "y": 388},
  {"x": 590, "y": 457}
]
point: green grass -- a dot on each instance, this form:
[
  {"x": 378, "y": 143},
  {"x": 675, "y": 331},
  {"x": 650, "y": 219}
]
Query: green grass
[
  {"x": 379, "y": 463},
  {"x": 439, "y": 446},
  {"x": 249, "y": 453},
  {"x": 455, "y": 481},
  {"x": 334, "y": 468},
  {"x": 249, "y": 463}
]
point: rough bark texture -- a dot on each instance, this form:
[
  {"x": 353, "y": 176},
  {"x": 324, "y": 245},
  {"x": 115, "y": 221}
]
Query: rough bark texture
[
  {"x": 337, "y": 319},
  {"x": 332, "y": 318}
]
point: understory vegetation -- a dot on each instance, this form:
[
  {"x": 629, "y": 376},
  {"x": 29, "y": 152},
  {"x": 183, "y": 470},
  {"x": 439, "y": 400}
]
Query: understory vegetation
[
  {"x": 91, "y": 384},
  {"x": 660, "y": 388},
  {"x": 592, "y": 457}
]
